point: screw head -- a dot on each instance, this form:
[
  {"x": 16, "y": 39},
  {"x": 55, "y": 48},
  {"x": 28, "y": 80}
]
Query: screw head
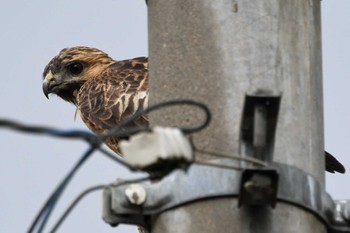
[{"x": 136, "y": 194}]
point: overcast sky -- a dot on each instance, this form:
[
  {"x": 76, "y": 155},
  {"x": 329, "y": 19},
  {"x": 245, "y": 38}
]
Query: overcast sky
[{"x": 32, "y": 32}]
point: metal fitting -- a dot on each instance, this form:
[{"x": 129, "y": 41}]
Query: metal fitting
[
  {"x": 342, "y": 212},
  {"x": 128, "y": 203},
  {"x": 346, "y": 211},
  {"x": 136, "y": 194}
]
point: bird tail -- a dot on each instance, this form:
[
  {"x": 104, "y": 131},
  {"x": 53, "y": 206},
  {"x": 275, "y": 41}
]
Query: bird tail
[{"x": 333, "y": 165}]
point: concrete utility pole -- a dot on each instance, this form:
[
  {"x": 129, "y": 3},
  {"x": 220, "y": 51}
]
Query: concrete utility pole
[{"x": 219, "y": 51}]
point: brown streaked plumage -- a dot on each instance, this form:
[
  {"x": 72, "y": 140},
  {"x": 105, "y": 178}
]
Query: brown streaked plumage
[{"x": 106, "y": 91}]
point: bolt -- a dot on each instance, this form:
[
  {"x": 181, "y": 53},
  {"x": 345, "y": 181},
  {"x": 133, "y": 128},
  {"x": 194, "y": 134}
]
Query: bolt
[
  {"x": 259, "y": 184},
  {"x": 136, "y": 194}
]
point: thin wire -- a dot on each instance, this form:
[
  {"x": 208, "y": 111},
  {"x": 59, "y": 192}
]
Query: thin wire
[
  {"x": 219, "y": 165},
  {"x": 162, "y": 105},
  {"x": 74, "y": 203},
  {"x": 95, "y": 143},
  {"x": 46, "y": 210},
  {"x": 115, "y": 131},
  {"x": 91, "y": 138},
  {"x": 78, "y": 134},
  {"x": 234, "y": 157},
  {"x": 115, "y": 158},
  {"x": 149, "y": 177},
  {"x": 84, "y": 193}
]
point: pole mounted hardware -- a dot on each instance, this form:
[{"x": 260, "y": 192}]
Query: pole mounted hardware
[
  {"x": 257, "y": 135},
  {"x": 199, "y": 182},
  {"x": 258, "y": 187},
  {"x": 157, "y": 151},
  {"x": 184, "y": 181},
  {"x": 258, "y": 125}
]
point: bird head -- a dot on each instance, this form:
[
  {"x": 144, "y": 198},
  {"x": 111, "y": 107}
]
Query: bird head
[{"x": 71, "y": 68}]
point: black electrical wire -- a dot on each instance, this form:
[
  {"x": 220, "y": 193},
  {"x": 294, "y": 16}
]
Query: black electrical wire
[
  {"x": 74, "y": 203},
  {"x": 115, "y": 131},
  {"x": 169, "y": 103},
  {"x": 86, "y": 192},
  {"x": 95, "y": 143},
  {"x": 91, "y": 138},
  {"x": 78, "y": 134},
  {"x": 119, "y": 160},
  {"x": 45, "y": 212}
]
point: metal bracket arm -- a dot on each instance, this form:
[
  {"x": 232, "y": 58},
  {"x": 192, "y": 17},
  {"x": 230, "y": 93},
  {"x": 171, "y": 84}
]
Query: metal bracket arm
[{"x": 204, "y": 182}]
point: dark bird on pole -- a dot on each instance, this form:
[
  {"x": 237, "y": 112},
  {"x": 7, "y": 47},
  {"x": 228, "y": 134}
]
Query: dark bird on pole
[{"x": 106, "y": 91}]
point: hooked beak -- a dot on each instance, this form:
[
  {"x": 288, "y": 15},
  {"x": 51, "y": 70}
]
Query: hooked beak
[
  {"x": 46, "y": 89},
  {"x": 48, "y": 84}
]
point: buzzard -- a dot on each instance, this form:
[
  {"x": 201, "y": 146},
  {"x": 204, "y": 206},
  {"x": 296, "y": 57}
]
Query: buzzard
[
  {"x": 106, "y": 91},
  {"x": 103, "y": 90}
]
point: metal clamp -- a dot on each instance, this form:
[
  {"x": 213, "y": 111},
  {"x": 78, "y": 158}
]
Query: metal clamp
[{"x": 180, "y": 187}]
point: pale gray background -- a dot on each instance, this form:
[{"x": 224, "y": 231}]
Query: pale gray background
[{"x": 32, "y": 32}]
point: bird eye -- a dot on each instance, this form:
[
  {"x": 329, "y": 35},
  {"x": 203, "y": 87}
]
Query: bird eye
[{"x": 75, "y": 68}]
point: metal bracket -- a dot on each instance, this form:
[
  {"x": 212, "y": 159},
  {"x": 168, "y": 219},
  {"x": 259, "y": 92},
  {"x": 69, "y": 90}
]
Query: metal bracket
[
  {"x": 258, "y": 187},
  {"x": 258, "y": 125},
  {"x": 181, "y": 187}
]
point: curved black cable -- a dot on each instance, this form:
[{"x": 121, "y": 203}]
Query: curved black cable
[
  {"x": 92, "y": 138},
  {"x": 78, "y": 134},
  {"x": 45, "y": 211},
  {"x": 86, "y": 192},
  {"x": 95, "y": 143},
  {"x": 119, "y": 160},
  {"x": 73, "y": 204},
  {"x": 169, "y": 103}
]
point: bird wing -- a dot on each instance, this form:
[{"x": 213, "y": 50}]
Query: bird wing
[{"x": 114, "y": 95}]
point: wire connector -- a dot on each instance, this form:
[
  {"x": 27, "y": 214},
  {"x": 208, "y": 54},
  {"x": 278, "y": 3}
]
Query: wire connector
[{"x": 163, "y": 148}]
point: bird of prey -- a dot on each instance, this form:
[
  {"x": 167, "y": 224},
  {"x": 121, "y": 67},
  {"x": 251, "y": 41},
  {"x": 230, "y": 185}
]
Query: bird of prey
[{"x": 106, "y": 91}]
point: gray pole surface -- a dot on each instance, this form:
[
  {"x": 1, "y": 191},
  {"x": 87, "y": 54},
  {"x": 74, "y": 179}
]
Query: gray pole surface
[{"x": 218, "y": 51}]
